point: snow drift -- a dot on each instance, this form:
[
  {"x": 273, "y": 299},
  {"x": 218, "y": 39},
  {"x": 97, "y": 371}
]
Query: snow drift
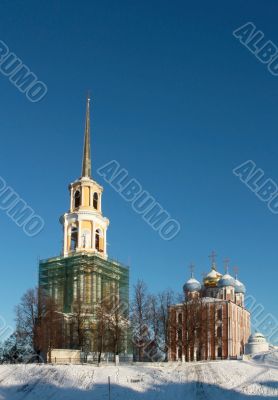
[{"x": 245, "y": 380}]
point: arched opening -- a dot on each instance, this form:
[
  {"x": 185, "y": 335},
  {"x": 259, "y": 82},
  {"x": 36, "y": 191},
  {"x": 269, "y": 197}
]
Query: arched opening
[
  {"x": 219, "y": 314},
  {"x": 77, "y": 199},
  {"x": 73, "y": 238},
  {"x": 199, "y": 354},
  {"x": 219, "y": 331},
  {"x": 95, "y": 201},
  {"x": 99, "y": 240},
  {"x": 179, "y": 352},
  {"x": 219, "y": 352}
]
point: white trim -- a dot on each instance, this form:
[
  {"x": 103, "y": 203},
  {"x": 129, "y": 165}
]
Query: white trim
[{"x": 87, "y": 216}]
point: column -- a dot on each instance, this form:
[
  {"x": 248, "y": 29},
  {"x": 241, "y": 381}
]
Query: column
[
  {"x": 229, "y": 331},
  {"x": 91, "y": 196},
  {"x": 71, "y": 199},
  {"x": 81, "y": 286},
  {"x": 104, "y": 242},
  {"x": 99, "y": 288},
  {"x": 74, "y": 289},
  {"x": 88, "y": 288},
  {"x": 93, "y": 237},
  {"x": 65, "y": 237},
  {"x": 79, "y": 234},
  {"x": 82, "y": 195},
  {"x": 94, "y": 288},
  {"x": 100, "y": 197}
]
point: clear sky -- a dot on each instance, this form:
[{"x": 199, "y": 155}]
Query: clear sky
[{"x": 177, "y": 101}]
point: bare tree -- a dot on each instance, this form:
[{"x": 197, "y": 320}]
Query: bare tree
[
  {"x": 172, "y": 332},
  {"x": 38, "y": 322},
  {"x": 202, "y": 329},
  {"x": 50, "y": 326},
  {"x": 79, "y": 321},
  {"x": 117, "y": 324},
  {"x": 193, "y": 319},
  {"x": 153, "y": 317},
  {"x": 101, "y": 327},
  {"x": 139, "y": 318},
  {"x": 165, "y": 300},
  {"x": 27, "y": 317}
]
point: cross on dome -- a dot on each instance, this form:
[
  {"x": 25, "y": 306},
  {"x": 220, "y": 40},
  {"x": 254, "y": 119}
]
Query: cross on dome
[
  {"x": 213, "y": 256},
  {"x": 192, "y": 268},
  {"x": 226, "y": 264}
]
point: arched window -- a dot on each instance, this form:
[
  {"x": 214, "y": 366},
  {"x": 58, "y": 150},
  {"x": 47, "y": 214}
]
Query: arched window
[
  {"x": 73, "y": 238},
  {"x": 179, "y": 352},
  {"x": 77, "y": 199},
  {"x": 219, "y": 314},
  {"x": 219, "y": 352},
  {"x": 95, "y": 201},
  {"x": 99, "y": 240},
  {"x": 219, "y": 331}
]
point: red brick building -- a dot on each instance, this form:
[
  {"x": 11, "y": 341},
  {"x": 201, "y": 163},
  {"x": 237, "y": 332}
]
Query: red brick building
[{"x": 212, "y": 322}]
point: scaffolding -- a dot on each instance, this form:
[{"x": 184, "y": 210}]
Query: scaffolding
[{"x": 85, "y": 278}]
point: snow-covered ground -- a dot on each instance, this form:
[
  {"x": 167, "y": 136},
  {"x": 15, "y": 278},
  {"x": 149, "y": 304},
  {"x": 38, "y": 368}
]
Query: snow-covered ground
[{"x": 249, "y": 380}]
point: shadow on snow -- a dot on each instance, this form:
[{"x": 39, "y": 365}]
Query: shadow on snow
[{"x": 39, "y": 390}]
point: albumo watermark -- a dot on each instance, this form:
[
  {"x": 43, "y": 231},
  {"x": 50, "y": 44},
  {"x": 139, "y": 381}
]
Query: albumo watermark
[
  {"x": 19, "y": 211},
  {"x": 20, "y": 75},
  {"x": 141, "y": 201},
  {"x": 264, "y": 50},
  {"x": 5, "y": 329},
  {"x": 262, "y": 320},
  {"x": 254, "y": 178}
]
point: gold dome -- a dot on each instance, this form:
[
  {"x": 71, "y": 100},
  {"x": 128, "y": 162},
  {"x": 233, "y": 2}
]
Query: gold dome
[{"x": 212, "y": 278}]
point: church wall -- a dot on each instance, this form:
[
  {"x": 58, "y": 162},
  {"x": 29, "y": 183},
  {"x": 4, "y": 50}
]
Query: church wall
[{"x": 223, "y": 330}]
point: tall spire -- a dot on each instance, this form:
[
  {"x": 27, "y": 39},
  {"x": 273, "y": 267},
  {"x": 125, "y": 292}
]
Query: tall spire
[{"x": 86, "y": 163}]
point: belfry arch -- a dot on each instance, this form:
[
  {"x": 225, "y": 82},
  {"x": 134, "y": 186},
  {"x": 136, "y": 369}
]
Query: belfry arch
[
  {"x": 73, "y": 238},
  {"x": 77, "y": 199},
  {"x": 95, "y": 201}
]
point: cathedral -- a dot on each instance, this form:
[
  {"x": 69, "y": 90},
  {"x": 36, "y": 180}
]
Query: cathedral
[
  {"x": 83, "y": 275},
  {"x": 212, "y": 322}
]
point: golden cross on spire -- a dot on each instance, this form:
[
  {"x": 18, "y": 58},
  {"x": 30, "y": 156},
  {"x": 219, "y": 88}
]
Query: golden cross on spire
[{"x": 213, "y": 256}]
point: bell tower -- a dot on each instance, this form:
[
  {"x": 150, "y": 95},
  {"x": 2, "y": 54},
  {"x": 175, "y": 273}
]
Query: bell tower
[
  {"x": 84, "y": 226},
  {"x": 83, "y": 277}
]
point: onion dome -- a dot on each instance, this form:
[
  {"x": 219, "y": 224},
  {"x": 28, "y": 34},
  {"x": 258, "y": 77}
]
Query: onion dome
[
  {"x": 212, "y": 278},
  {"x": 226, "y": 280},
  {"x": 239, "y": 287},
  {"x": 192, "y": 285}
]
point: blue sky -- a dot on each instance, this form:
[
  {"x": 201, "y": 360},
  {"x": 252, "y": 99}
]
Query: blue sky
[{"x": 177, "y": 101}]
